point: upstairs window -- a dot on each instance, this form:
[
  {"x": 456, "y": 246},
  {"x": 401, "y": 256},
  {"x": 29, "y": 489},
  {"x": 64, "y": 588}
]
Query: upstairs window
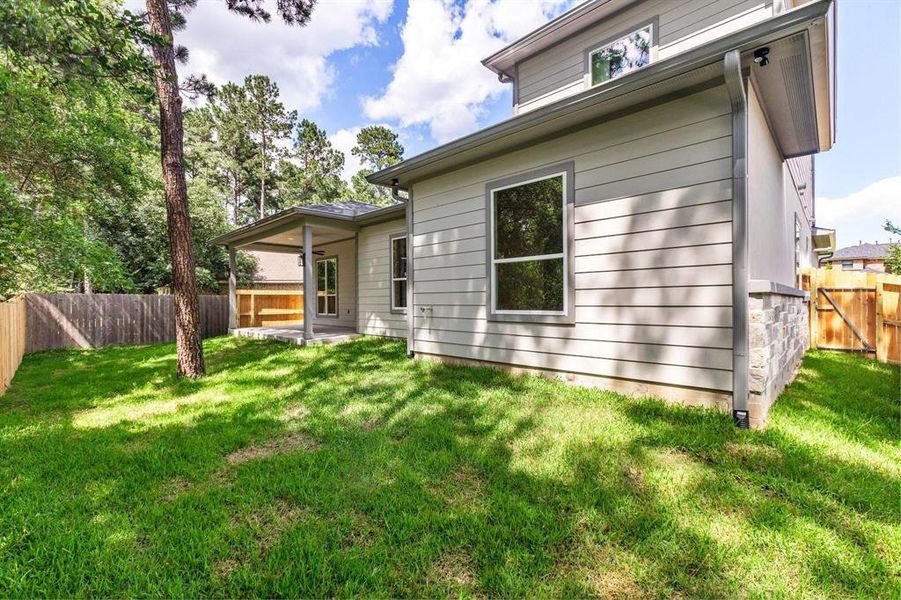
[
  {"x": 620, "y": 56},
  {"x": 327, "y": 287},
  {"x": 399, "y": 273},
  {"x": 530, "y": 267}
]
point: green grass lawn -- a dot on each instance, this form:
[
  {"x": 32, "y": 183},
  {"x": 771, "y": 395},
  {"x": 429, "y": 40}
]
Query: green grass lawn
[{"x": 348, "y": 470}]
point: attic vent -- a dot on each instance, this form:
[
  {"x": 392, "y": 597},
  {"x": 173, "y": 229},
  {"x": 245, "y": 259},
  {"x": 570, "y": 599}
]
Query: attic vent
[
  {"x": 796, "y": 75},
  {"x": 785, "y": 87}
]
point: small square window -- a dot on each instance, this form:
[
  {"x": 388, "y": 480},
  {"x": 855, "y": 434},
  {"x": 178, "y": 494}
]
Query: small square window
[{"x": 624, "y": 55}]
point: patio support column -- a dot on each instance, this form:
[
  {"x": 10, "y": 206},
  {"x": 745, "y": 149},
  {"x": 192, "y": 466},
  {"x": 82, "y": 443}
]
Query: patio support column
[
  {"x": 232, "y": 292},
  {"x": 309, "y": 284}
]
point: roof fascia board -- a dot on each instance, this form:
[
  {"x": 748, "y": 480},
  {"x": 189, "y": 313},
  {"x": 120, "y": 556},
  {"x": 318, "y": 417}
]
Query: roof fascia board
[
  {"x": 296, "y": 217},
  {"x": 772, "y": 28},
  {"x": 279, "y": 222},
  {"x": 519, "y": 50}
]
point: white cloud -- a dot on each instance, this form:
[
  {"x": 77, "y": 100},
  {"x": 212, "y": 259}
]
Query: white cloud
[
  {"x": 860, "y": 215},
  {"x": 439, "y": 80},
  {"x": 344, "y": 140},
  {"x": 227, "y": 47}
]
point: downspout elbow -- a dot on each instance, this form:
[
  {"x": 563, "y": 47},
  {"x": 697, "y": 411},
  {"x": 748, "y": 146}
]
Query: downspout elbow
[{"x": 395, "y": 188}]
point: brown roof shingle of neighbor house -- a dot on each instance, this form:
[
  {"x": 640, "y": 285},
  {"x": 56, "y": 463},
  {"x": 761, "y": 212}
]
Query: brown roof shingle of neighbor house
[{"x": 871, "y": 251}]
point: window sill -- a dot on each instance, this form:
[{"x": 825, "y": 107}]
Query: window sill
[{"x": 541, "y": 319}]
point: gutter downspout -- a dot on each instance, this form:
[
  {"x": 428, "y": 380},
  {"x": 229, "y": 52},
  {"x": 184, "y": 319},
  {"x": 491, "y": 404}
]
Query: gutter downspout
[
  {"x": 409, "y": 227},
  {"x": 736, "y": 87}
]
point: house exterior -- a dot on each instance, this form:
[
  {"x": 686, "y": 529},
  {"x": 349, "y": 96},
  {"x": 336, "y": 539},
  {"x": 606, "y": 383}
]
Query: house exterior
[
  {"x": 274, "y": 271},
  {"x": 637, "y": 224},
  {"x": 862, "y": 257}
]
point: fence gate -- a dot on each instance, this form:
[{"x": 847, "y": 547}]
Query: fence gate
[
  {"x": 855, "y": 311},
  {"x": 888, "y": 322}
]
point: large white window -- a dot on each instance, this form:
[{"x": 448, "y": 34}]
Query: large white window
[
  {"x": 399, "y": 273},
  {"x": 621, "y": 56},
  {"x": 530, "y": 269},
  {"x": 327, "y": 287}
]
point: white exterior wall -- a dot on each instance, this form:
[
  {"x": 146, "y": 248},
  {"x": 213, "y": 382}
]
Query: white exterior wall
[
  {"x": 347, "y": 297},
  {"x": 374, "y": 281},
  {"x": 560, "y": 71},
  {"x": 652, "y": 252},
  {"x": 773, "y": 203}
]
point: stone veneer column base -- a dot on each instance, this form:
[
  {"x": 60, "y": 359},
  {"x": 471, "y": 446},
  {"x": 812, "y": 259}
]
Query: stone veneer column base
[{"x": 778, "y": 338}]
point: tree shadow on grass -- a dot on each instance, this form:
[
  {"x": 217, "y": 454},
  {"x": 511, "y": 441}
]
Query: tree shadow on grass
[{"x": 425, "y": 480}]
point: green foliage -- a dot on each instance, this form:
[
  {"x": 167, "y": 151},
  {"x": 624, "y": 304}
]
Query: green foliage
[
  {"x": 46, "y": 248},
  {"x": 267, "y": 122},
  {"x": 893, "y": 262},
  {"x": 73, "y": 127},
  {"x": 313, "y": 176},
  {"x": 349, "y": 470},
  {"x": 378, "y": 147}
]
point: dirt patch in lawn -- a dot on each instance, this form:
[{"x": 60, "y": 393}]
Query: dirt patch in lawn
[
  {"x": 455, "y": 570},
  {"x": 463, "y": 488},
  {"x": 282, "y": 445},
  {"x": 267, "y": 525},
  {"x": 297, "y": 412},
  {"x": 362, "y": 531}
]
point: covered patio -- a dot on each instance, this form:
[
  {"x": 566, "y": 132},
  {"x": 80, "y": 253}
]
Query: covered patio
[
  {"x": 293, "y": 334},
  {"x": 324, "y": 238}
]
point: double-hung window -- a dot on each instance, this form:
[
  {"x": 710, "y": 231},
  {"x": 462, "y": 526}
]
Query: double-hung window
[
  {"x": 623, "y": 55},
  {"x": 327, "y": 287},
  {"x": 399, "y": 273},
  {"x": 530, "y": 269}
]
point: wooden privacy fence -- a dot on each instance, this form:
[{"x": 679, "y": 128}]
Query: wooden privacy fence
[
  {"x": 855, "y": 311},
  {"x": 12, "y": 339},
  {"x": 266, "y": 308},
  {"x": 95, "y": 320}
]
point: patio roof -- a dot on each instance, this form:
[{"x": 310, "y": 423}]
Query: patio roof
[{"x": 334, "y": 222}]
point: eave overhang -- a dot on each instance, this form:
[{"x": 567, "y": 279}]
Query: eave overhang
[
  {"x": 503, "y": 61},
  {"x": 668, "y": 78},
  {"x": 297, "y": 217}
]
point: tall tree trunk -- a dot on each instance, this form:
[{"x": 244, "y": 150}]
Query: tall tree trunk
[
  {"x": 263, "y": 176},
  {"x": 188, "y": 346},
  {"x": 237, "y": 198}
]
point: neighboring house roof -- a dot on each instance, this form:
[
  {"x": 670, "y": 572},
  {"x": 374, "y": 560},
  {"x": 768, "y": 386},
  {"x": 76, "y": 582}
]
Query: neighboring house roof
[
  {"x": 866, "y": 251},
  {"x": 801, "y": 31},
  {"x": 274, "y": 267}
]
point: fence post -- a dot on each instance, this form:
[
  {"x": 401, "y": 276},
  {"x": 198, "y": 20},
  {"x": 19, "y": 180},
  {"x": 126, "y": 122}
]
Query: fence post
[
  {"x": 881, "y": 354},
  {"x": 814, "y": 302}
]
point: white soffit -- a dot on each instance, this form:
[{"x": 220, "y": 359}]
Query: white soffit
[{"x": 796, "y": 91}]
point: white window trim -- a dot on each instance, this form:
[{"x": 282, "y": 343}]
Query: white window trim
[
  {"x": 559, "y": 255},
  {"x": 393, "y": 279},
  {"x": 651, "y": 26},
  {"x": 327, "y": 295}
]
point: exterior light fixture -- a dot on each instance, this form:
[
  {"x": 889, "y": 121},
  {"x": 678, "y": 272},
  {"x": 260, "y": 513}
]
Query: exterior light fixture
[{"x": 760, "y": 56}]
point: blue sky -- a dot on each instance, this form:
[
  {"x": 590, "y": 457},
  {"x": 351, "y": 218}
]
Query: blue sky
[{"x": 415, "y": 67}]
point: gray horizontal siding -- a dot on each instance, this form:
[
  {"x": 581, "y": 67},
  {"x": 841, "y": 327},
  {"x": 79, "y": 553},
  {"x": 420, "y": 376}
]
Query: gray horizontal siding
[
  {"x": 374, "y": 281},
  {"x": 560, "y": 70},
  {"x": 652, "y": 252}
]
